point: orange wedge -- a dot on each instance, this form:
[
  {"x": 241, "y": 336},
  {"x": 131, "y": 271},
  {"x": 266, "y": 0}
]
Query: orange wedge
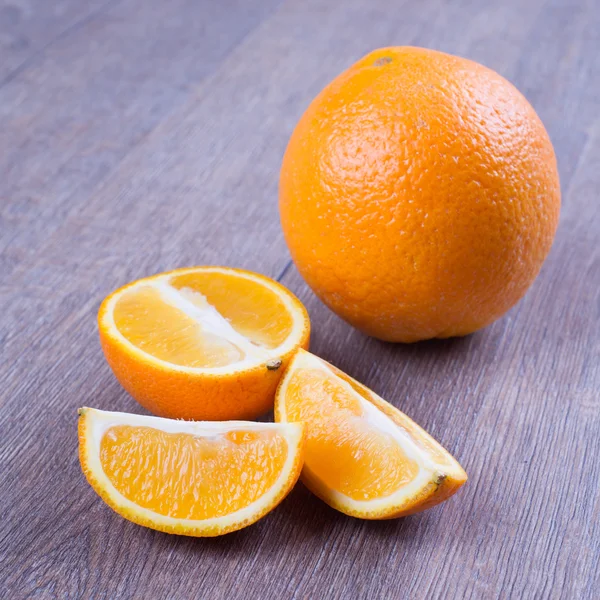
[
  {"x": 192, "y": 478},
  {"x": 363, "y": 456},
  {"x": 204, "y": 343}
]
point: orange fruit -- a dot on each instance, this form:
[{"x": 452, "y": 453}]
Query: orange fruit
[
  {"x": 202, "y": 343},
  {"x": 191, "y": 478},
  {"x": 363, "y": 456},
  {"x": 419, "y": 195}
]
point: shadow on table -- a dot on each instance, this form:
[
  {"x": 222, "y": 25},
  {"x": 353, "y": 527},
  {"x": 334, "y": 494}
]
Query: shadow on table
[
  {"x": 302, "y": 518},
  {"x": 439, "y": 347},
  {"x": 347, "y": 347},
  {"x": 300, "y": 524},
  {"x": 315, "y": 520}
]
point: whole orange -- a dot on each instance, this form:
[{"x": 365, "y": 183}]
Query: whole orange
[{"x": 419, "y": 195}]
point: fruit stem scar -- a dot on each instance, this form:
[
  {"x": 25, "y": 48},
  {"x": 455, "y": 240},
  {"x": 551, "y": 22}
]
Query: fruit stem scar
[
  {"x": 384, "y": 60},
  {"x": 273, "y": 364}
]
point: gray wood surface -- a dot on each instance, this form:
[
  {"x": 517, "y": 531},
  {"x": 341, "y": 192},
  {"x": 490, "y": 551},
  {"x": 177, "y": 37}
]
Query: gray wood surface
[{"x": 142, "y": 135}]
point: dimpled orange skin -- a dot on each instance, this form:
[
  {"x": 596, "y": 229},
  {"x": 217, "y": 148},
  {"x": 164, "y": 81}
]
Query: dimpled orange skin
[
  {"x": 179, "y": 395},
  {"x": 419, "y": 195},
  {"x": 176, "y": 394}
]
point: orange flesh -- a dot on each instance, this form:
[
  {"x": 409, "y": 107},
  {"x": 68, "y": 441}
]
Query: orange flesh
[
  {"x": 183, "y": 476},
  {"x": 253, "y": 310},
  {"x": 343, "y": 450},
  {"x": 165, "y": 332},
  {"x": 429, "y": 446},
  {"x": 147, "y": 320}
]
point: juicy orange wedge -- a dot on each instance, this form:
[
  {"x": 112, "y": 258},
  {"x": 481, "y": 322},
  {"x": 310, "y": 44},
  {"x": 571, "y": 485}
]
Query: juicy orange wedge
[
  {"x": 363, "y": 456},
  {"x": 191, "y": 478},
  {"x": 202, "y": 343}
]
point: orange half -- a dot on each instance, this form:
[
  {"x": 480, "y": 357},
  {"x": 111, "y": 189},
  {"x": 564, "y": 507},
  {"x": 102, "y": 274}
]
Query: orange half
[
  {"x": 205, "y": 343},
  {"x": 191, "y": 478},
  {"x": 363, "y": 456}
]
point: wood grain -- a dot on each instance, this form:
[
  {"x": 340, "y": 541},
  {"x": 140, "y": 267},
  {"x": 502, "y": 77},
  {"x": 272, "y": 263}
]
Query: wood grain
[
  {"x": 141, "y": 136},
  {"x": 28, "y": 29}
]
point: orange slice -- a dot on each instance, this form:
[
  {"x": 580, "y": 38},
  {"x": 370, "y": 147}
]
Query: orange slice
[
  {"x": 191, "y": 478},
  {"x": 363, "y": 456},
  {"x": 202, "y": 343}
]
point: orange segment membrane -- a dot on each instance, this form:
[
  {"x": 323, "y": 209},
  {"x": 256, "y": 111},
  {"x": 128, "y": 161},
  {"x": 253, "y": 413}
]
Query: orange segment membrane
[
  {"x": 167, "y": 333},
  {"x": 183, "y": 476},
  {"x": 253, "y": 310},
  {"x": 343, "y": 450},
  {"x": 426, "y": 443}
]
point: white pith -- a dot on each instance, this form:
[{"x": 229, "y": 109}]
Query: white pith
[
  {"x": 211, "y": 321},
  {"x": 429, "y": 470},
  {"x": 99, "y": 422}
]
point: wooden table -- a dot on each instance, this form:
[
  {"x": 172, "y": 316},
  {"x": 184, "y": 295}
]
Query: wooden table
[{"x": 142, "y": 135}]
